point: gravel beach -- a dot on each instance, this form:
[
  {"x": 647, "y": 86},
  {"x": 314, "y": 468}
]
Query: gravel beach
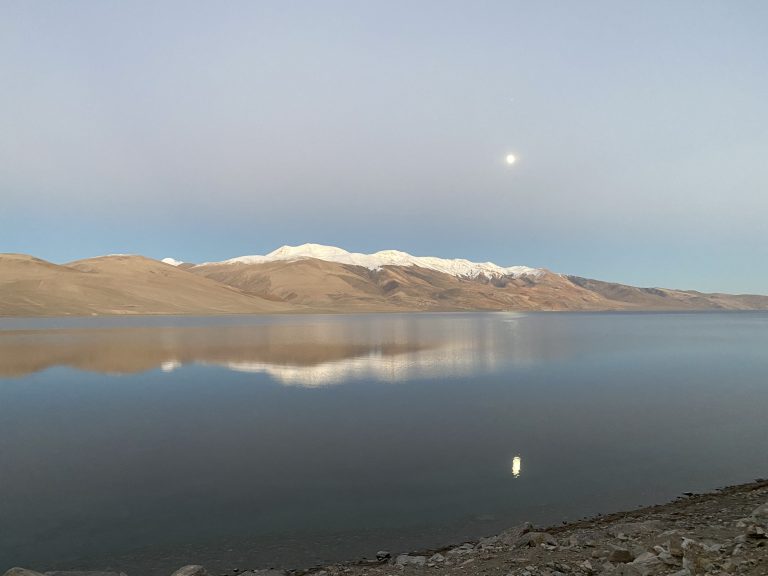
[{"x": 718, "y": 533}]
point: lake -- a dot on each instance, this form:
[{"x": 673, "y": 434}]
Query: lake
[{"x": 144, "y": 444}]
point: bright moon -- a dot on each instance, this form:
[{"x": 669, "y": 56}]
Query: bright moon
[{"x": 511, "y": 159}]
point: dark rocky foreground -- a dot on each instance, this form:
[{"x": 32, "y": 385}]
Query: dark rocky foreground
[{"x": 718, "y": 533}]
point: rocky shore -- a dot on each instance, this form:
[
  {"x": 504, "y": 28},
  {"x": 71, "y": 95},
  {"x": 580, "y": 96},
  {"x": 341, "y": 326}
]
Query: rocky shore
[{"x": 718, "y": 533}]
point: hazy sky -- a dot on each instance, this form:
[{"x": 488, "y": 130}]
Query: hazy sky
[{"x": 208, "y": 130}]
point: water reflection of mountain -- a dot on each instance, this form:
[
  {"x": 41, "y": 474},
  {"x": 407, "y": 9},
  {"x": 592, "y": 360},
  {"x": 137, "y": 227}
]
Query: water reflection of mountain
[
  {"x": 307, "y": 351},
  {"x": 443, "y": 359}
]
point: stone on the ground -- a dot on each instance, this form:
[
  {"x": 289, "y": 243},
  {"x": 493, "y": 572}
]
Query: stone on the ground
[
  {"x": 460, "y": 550},
  {"x": 761, "y": 512},
  {"x": 672, "y": 540},
  {"x": 533, "y": 539},
  {"x": 510, "y": 536},
  {"x": 667, "y": 558},
  {"x": 437, "y": 558},
  {"x": 620, "y": 555},
  {"x": 647, "y": 563},
  {"x": 756, "y": 532},
  {"x": 588, "y": 538},
  {"x": 191, "y": 570},
  {"x": 697, "y": 557},
  {"x": 408, "y": 560},
  {"x": 21, "y": 572},
  {"x": 488, "y": 542},
  {"x": 382, "y": 555}
]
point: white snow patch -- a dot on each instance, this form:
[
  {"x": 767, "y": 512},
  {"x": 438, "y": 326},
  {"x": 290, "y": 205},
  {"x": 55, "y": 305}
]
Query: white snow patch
[
  {"x": 172, "y": 261},
  {"x": 455, "y": 267}
]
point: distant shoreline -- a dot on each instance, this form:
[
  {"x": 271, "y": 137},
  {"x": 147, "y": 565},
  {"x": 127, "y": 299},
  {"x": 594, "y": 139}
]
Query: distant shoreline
[{"x": 372, "y": 313}]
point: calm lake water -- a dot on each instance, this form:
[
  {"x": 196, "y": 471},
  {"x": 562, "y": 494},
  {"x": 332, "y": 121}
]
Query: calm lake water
[{"x": 143, "y": 444}]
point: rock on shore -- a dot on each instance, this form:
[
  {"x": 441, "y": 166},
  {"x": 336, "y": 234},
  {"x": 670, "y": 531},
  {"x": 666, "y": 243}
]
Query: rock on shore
[{"x": 724, "y": 533}]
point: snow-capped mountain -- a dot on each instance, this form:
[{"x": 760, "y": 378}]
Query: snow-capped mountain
[
  {"x": 323, "y": 279},
  {"x": 172, "y": 261},
  {"x": 455, "y": 267}
]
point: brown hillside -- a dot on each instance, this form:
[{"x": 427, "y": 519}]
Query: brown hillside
[
  {"x": 114, "y": 285},
  {"x": 122, "y": 284},
  {"x": 328, "y": 286},
  {"x": 324, "y": 285}
]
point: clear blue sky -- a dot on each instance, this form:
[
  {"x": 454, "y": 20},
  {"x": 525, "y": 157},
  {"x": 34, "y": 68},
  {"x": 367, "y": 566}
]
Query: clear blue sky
[{"x": 208, "y": 130}]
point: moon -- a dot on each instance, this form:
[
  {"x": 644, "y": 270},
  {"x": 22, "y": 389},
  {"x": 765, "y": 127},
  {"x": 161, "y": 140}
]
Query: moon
[{"x": 511, "y": 159}]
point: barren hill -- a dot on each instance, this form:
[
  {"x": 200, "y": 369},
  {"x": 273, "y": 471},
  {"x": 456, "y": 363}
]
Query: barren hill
[
  {"x": 332, "y": 286},
  {"x": 314, "y": 278},
  {"x": 330, "y": 279},
  {"x": 115, "y": 285}
]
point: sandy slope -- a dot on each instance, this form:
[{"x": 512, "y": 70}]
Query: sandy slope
[
  {"x": 122, "y": 284},
  {"x": 322, "y": 285},
  {"x": 332, "y": 286},
  {"x": 114, "y": 285}
]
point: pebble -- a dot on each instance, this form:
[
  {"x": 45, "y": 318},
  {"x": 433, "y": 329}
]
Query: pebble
[
  {"x": 191, "y": 570},
  {"x": 619, "y": 555},
  {"x": 408, "y": 560},
  {"x": 535, "y": 539}
]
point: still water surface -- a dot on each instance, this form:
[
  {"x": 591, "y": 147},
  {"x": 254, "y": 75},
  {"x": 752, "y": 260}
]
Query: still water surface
[{"x": 144, "y": 444}]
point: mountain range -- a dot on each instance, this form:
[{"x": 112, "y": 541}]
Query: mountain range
[{"x": 316, "y": 278}]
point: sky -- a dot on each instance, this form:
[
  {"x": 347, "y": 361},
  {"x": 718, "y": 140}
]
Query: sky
[{"x": 209, "y": 130}]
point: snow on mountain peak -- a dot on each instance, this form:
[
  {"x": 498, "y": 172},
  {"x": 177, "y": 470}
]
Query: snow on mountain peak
[
  {"x": 454, "y": 267},
  {"x": 172, "y": 261},
  {"x": 307, "y": 251}
]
